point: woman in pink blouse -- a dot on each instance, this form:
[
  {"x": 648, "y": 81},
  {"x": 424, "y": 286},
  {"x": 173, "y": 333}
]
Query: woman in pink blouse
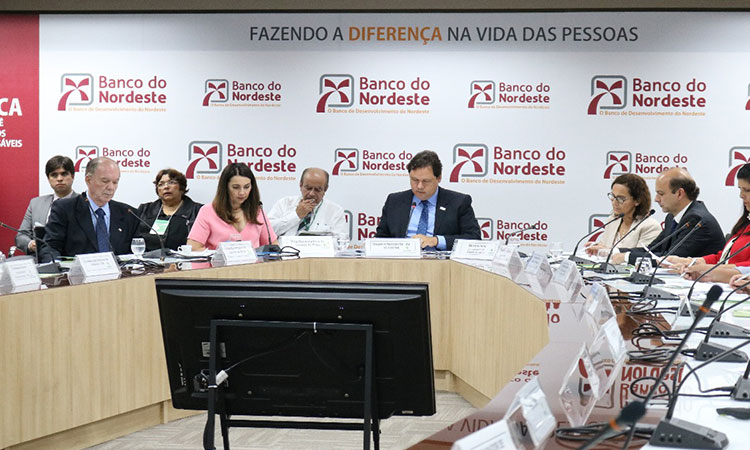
[{"x": 235, "y": 214}]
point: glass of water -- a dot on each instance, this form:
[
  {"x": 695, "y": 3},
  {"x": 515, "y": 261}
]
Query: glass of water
[
  {"x": 556, "y": 249},
  {"x": 643, "y": 264},
  {"x": 138, "y": 247},
  {"x": 342, "y": 241}
]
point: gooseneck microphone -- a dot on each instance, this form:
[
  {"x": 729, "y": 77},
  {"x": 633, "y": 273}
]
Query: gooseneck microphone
[
  {"x": 408, "y": 220},
  {"x": 719, "y": 329},
  {"x": 712, "y": 295},
  {"x": 577, "y": 259},
  {"x": 508, "y": 236},
  {"x": 707, "y": 350},
  {"x": 163, "y": 250},
  {"x": 268, "y": 248},
  {"x": 54, "y": 268},
  {"x": 659, "y": 294},
  {"x": 638, "y": 278},
  {"x": 606, "y": 267},
  {"x": 629, "y": 415}
]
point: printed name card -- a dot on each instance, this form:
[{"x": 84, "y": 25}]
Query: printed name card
[
  {"x": 508, "y": 263},
  {"x": 537, "y": 414},
  {"x": 393, "y": 248},
  {"x": 566, "y": 283},
  {"x": 19, "y": 276},
  {"x": 474, "y": 249},
  {"x": 495, "y": 436},
  {"x": 233, "y": 253},
  {"x": 310, "y": 246},
  {"x": 538, "y": 272},
  {"x": 94, "y": 267}
]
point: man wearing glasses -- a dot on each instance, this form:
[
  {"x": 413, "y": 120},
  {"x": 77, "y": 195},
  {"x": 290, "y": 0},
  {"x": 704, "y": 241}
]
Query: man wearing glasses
[{"x": 308, "y": 212}]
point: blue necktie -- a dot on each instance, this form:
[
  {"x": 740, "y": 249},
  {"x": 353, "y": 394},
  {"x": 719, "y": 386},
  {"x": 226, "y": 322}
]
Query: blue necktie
[
  {"x": 422, "y": 226},
  {"x": 102, "y": 236}
]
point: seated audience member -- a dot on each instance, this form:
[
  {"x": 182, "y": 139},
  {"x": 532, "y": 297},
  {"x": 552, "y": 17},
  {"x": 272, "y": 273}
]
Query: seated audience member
[
  {"x": 60, "y": 173},
  {"x": 171, "y": 215},
  {"x": 234, "y": 214},
  {"x": 631, "y": 198},
  {"x": 436, "y": 216},
  {"x": 308, "y": 211},
  {"x": 92, "y": 222},
  {"x": 740, "y": 236},
  {"x": 677, "y": 194}
]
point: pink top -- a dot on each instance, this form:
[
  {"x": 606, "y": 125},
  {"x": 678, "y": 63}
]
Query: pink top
[{"x": 210, "y": 230}]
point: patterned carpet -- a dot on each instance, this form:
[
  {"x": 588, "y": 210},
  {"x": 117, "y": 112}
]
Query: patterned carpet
[{"x": 398, "y": 432}]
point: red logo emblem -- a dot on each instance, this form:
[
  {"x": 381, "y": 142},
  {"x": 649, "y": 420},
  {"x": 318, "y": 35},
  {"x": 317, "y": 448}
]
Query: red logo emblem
[
  {"x": 482, "y": 93},
  {"x": 607, "y": 92},
  {"x": 618, "y": 163},
  {"x": 345, "y": 160},
  {"x": 738, "y": 157},
  {"x": 596, "y": 221},
  {"x": 217, "y": 91},
  {"x": 76, "y": 89},
  {"x": 335, "y": 91},
  {"x": 84, "y": 154},
  {"x": 208, "y": 151},
  {"x": 485, "y": 227},
  {"x": 471, "y": 156}
]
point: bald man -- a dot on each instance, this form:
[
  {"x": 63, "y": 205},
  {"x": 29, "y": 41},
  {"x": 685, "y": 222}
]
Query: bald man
[
  {"x": 309, "y": 211},
  {"x": 677, "y": 194}
]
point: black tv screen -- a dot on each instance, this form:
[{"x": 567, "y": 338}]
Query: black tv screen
[{"x": 292, "y": 371}]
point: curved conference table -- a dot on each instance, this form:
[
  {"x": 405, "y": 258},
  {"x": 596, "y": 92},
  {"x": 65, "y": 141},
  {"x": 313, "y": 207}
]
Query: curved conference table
[{"x": 85, "y": 364}]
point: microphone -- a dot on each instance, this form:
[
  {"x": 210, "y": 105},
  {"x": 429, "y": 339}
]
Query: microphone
[
  {"x": 721, "y": 261},
  {"x": 579, "y": 260},
  {"x": 163, "y": 250},
  {"x": 533, "y": 227},
  {"x": 606, "y": 267},
  {"x": 719, "y": 329},
  {"x": 712, "y": 295},
  {"x": 659, "y": 294},
  {"x": 45, "y": 268},
  {"x": 708, "y": 350},
  {"x": 411, "y": 211},
  {"x": 268, "y": 248},
  {"x": 741, "y": 390},
  {"x": 683, "y": 434},
  {"x": 653, "y": 247},
  {"x": 629, "y": 415}
]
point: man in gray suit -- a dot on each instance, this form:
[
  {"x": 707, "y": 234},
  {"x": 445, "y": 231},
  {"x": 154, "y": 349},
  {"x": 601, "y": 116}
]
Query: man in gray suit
[{"x": 60, "y": 172}]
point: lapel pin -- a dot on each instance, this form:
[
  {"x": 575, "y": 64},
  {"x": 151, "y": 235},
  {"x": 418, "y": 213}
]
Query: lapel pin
[
  {"x": 442, "y": 208},
  {"x": 120, "y": 230}
]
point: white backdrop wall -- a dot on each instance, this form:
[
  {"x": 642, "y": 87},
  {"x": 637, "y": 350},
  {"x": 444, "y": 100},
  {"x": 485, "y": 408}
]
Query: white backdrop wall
[{"x": 246, "y": 88}]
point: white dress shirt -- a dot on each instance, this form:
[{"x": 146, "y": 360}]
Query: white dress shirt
[{"x": 327, "y": 216}]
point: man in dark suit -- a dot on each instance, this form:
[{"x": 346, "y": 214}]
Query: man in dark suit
[
  {"x": 436, "y": 216},
  {"x": 92, "y": 222},
  {"x": 677, "y": 194}
]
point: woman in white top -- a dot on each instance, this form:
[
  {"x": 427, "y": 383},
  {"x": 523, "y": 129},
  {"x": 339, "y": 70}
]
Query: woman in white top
[{"x": 629, "y": 196}]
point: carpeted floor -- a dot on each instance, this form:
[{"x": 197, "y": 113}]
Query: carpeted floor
[{"x": 398, "y": 432}]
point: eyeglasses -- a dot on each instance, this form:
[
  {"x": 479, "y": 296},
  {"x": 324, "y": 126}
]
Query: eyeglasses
[
  {"x": 620, "y": 199},
  {"x": 167, "y": 183}
]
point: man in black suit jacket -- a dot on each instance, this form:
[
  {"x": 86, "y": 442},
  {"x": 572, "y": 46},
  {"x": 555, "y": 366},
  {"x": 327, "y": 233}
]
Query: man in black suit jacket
[
  {"x": 677, "y": 194},
  {"x": 72, "y": 226},
  {"x": 444, "y": 215}
]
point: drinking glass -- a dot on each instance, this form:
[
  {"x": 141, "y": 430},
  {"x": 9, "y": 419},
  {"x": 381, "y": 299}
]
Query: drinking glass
[
  {"x": 556, "y": 249},
  {"x": 643, "y": 263},
  {"x": 342, "y": 240},
  {"x": 138, "y": 247}
]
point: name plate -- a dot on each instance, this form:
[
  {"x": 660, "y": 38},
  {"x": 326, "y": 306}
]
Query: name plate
[
  {"x": 393, "y": 248},
  {"x": 474, "y": 249},
  {"x": 566, "y": 283},
  {"x": 538, "y": 272},
  {"x": 233, "y": 253},
  {"x": 537, "y": 414},
  {"x": 598, "y": 304},
  {"x": 19, "y": 276},
  {"x": 495, "y": 436},
  {"x": 508, "y": 263},
  {"x": 310, "y": 246},
  {"x": 94, "y": 267}
]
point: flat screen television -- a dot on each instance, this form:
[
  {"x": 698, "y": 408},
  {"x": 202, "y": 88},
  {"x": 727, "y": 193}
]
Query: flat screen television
[{"x": 293, "y": 372}]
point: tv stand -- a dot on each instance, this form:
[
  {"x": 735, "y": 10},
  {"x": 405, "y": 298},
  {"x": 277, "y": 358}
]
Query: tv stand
[{"x": 216, "y": 394}]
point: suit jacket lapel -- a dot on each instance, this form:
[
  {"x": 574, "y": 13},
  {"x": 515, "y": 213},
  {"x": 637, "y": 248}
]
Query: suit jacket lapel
[
  {"x": 116, "y": 225},
  {"x": 404, "y": 212},
  {"x": 440, "y": 210},
  {"x": 82, "y": 218}
]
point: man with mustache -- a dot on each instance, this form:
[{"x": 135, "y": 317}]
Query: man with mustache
[
  {"x": 60, "y": 173},
  {"x": 308, "y": 212},
  {"x": 92, "y": 222}
]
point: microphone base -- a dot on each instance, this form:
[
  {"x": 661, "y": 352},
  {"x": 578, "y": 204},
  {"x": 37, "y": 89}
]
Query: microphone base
[
  {"x": 579, "y": 260},
  {"x": 677, "y": 433},
  {"x": 609, "y": 268},
  {"x": 707, "y": 350},
  {"x": 49, "y": 268},
  {"x": 639, "y": 278},
  {"x": 741, "y": 391},
  {"x": 268, "y": 249},
  {"x": 728, "y": 330},
  {"x": 653, "y": 293}
]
